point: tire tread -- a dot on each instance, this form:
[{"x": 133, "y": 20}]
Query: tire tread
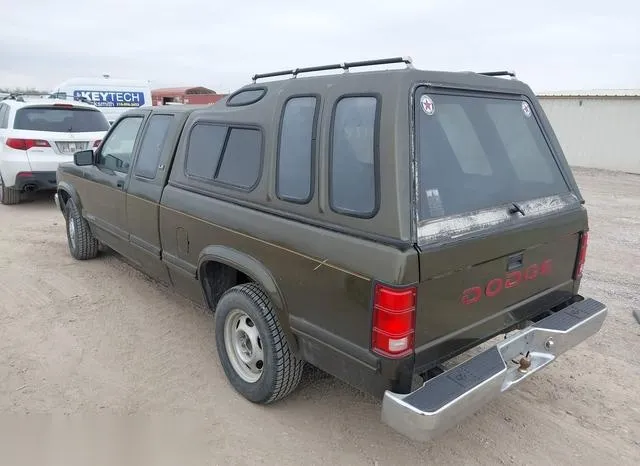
[
  {"x": 87, "y": 245},
  {"x": 10, "y": 196},
  {"x": 289, "y": 367}
]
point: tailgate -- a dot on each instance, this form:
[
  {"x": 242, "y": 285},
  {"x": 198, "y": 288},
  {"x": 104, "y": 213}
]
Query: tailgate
[
  {"x": 472, "y": 289},
  {"x": 48, "y": 149}
]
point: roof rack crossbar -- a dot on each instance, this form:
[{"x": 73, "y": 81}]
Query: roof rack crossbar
[
  {"x": 344, "y": 66},
  {"x": 499, "y": 73},
  {"x": 77, "y": 98},
  {"x": 64, "y": 96}
]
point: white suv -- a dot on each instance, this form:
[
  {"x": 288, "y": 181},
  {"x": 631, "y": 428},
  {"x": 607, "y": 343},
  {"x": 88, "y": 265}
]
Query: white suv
[{"x": 37, "y": 135}]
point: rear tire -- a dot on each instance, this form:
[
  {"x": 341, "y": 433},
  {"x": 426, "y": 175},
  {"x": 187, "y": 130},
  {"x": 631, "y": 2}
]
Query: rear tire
[
  {"x": 252, "y": 347},
  {"x": 82, "y": 243},
  {"x": 9, "y": 196}
]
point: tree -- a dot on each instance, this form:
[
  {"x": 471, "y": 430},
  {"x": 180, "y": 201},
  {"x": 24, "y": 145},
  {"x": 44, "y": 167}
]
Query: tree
[{"x": 22, "y": 90}]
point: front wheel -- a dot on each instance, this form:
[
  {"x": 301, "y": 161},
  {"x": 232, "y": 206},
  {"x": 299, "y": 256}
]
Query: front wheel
[
  {"x": 252, "y": 347},
  {"x": 82, "y": 244}
]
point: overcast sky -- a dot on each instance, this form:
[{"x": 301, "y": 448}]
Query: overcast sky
[{"x": 561, "y": 44}]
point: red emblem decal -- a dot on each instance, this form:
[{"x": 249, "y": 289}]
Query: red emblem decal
[{"x": 495, "y": 286}]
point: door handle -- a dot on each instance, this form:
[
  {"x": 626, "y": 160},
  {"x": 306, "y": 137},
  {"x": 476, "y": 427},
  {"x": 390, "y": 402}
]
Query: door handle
[{"x": 120, "y": 184}]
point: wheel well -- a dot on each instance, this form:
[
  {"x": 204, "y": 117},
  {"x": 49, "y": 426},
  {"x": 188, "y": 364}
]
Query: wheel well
[
  {"x": 64, "y": 197},
  {"x": 217, "y": 278}
]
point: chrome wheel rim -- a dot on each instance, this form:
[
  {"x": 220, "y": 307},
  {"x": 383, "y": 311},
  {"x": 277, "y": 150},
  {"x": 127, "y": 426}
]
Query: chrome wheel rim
[
  {"x": 72, "y": 232},
  {"x": 244, "y": 346}
]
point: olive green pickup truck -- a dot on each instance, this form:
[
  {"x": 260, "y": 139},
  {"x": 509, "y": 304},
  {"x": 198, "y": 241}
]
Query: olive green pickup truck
[{"x": 372, "y": 223}]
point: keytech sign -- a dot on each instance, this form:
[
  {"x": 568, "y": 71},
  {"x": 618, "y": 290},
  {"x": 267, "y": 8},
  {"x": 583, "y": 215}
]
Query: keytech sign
[{"x": 112, "y": 98}]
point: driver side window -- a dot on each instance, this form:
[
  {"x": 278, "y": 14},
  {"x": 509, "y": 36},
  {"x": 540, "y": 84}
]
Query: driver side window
[{"x": 117, "y": 151}]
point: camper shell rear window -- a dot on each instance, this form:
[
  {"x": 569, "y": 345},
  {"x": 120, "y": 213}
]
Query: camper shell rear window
[{"x": 478, "y": 151}]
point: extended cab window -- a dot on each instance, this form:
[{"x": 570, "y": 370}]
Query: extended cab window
[
  {"x": 239, "y": 164},
  {"x": 205, "y": 145},
  {"x": 152, "y": 145},
  {"x": 352, "y": 188},
  {"x": 295, "y": 153},
  {"x": 117, "y": 150},
  {"x": 476, "y": 152}
]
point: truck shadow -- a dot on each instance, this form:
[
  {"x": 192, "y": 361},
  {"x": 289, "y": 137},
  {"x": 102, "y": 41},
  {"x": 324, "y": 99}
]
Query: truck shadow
[{"x": 38, "y": 199}]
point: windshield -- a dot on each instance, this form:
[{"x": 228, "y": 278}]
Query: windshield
[
  {"x": 60, "y": 119},
  {"x": 479, "y": 152}
]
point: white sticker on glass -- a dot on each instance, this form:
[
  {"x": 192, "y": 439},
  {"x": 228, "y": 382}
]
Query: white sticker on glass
[{"x": 427, "y": 105}]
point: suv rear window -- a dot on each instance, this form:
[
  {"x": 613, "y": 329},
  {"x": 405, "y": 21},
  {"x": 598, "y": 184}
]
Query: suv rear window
[
  {"x": 60, "y": 119},
  {"x": 476, "y": 152}
]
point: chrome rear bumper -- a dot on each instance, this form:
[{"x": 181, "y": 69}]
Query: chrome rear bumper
[{"x": 446, "y": 399}]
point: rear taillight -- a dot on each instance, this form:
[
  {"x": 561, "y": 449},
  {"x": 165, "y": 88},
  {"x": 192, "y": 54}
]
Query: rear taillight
[
  {"x": 97, "y": 143},
  {"x": 582, "y": 255},
  {"x": 26, "y": 144},
  {"x": 394, "y": 312}
]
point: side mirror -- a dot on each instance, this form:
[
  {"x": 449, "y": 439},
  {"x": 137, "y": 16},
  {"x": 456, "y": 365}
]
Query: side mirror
[{"x": 83, "y": 158}]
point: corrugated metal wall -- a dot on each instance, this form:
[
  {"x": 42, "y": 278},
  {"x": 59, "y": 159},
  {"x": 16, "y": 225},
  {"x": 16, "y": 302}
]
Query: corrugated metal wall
[{"x": 597, "y": 132}]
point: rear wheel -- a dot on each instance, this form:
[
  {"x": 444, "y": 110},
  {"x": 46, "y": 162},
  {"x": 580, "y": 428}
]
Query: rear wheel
[
  {"x": 82, "y": 244},
  {"x": 8, "y": 196},
  {"x": 252, "y": 347}
]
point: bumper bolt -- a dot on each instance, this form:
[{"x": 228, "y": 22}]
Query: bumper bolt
[
  {"x": 523, "y": 363},
  {"x": 549, "y": 344}
]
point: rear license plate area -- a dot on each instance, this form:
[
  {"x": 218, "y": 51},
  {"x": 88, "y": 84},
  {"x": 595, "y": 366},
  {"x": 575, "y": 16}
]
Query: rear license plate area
[{"x": 70, "y": 147}]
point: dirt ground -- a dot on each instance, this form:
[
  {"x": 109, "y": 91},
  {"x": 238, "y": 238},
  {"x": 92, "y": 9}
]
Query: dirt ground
[{"x": 97, "y": 340}]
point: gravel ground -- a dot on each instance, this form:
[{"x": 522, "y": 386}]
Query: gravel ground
[{"x": 98, "y": 340}]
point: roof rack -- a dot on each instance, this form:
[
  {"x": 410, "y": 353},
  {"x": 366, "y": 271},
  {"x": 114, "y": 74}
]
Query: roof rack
[
  {"x": 16, "y": 97},
  {"x": 64, "y": 96},
  {"x": 20, "y": 97},
  {"x": 344, "y": 66},
  {"x": 499, "y": 73}
]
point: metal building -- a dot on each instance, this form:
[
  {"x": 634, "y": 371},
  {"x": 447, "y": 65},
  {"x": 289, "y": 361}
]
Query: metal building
[
  {"x": 598, "y": 128},
  {"x": 184, "y": 95}
]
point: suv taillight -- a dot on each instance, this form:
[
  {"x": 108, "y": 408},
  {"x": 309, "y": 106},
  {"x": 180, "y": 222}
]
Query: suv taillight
[
  {"x": 394, "y": 312},
  {"x": 582, "y": 255},
  {"x": 25, "y": 144}
]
